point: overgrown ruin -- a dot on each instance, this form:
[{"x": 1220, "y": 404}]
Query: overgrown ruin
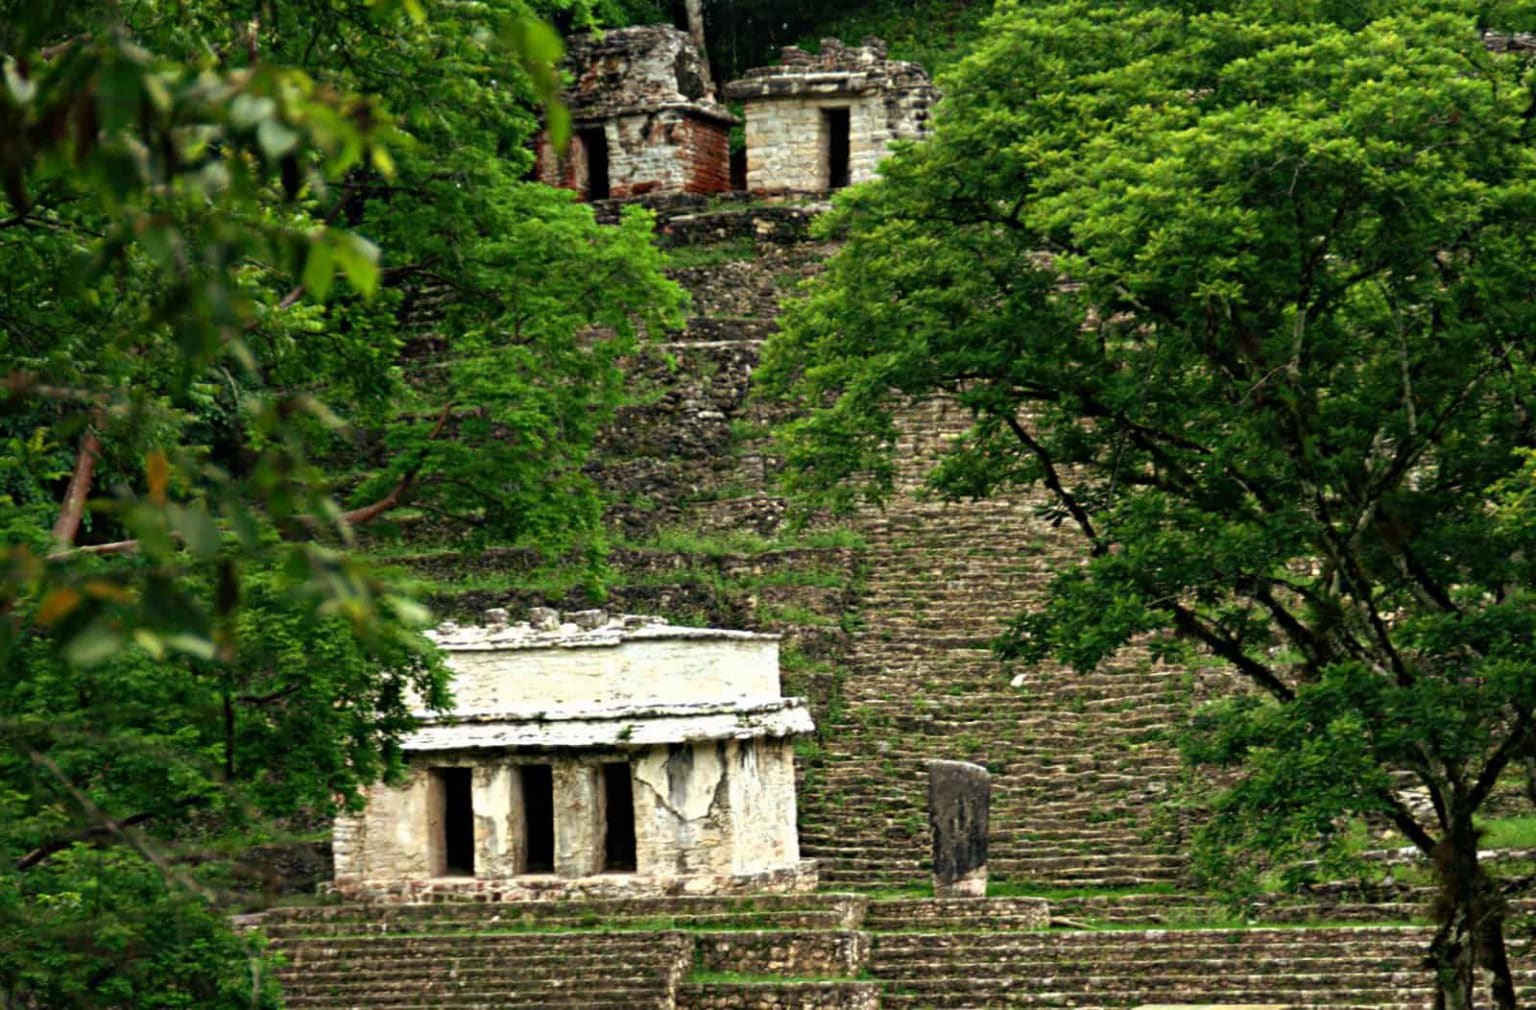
[
  {"x": 593, "y": 756},
  {"x": 819, "y": 122},
  {"x": 643, "y": 120},
  {"x": 885, "y": 628}
]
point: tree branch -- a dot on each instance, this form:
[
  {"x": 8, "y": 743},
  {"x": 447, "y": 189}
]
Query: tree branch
[
  {"x": 47, "y": 849},
  {"x": 1519, "y": 736},
  {"x": 1404, "y": 822},
  {"x": 1053, "y": 482},
  {"x": 355, "y": 517},
  {"x": 1187, "y": 623},
  {"x": 368, "y": 513}
]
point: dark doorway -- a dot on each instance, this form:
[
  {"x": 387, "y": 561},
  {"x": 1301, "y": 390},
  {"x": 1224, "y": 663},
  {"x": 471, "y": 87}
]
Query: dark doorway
[
  {"x": 594, "y": 142},
  {"x": 539, "y": 818},
  {"x": 835, "y": 123},
  {"x": 458, "y": 822},
  {"x": 619, "y": 834}
]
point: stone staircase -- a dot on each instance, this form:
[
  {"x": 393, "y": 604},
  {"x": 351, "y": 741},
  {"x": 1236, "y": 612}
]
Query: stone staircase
[
  {"x": 796, "y": 953},
  {"x": 473, "y": 971},
  {"x": 1380, "y": 967},
  {"x": 823, "y": 952},
  {"x": 1079, "y": 761}
]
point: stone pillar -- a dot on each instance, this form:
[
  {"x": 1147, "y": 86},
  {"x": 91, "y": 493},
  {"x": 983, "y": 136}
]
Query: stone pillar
[
  {"x": 578, "y": 820},
  {"x": 958, "y": 796},
  {"x": 437, "y": 857},
  {"x": 501, "y": 848}
]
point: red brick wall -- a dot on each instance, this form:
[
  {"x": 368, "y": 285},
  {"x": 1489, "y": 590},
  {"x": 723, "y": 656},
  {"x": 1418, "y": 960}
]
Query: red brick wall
[
  {"x": 697, "y": 149},
  {"x": 554, "y": 170},
  {"x": 708, "y": 150}
]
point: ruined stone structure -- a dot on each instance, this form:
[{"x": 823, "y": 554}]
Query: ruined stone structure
[
  {"x": 891, "y": 638},
  {"x": 593, "y": 756},
  {"x": 820, "y": 122},
  {"x": 643, "y": 120}
]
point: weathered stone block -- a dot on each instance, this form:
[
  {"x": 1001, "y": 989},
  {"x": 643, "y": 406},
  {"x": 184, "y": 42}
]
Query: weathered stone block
[{"x": 959, "y": 795}]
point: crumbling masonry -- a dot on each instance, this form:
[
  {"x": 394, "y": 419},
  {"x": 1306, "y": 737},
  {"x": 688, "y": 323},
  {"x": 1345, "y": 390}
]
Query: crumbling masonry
[
  {"x": 643, "y": 120},
  {"x": 594, "y": 756},
  {"x": 820, "y": 122}
]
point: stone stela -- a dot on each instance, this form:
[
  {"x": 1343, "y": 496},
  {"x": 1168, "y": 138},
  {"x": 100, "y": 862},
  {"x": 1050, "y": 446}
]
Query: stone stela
[
  {"x": 589, "y": 755},
  {"x": 959, "y": 797}
]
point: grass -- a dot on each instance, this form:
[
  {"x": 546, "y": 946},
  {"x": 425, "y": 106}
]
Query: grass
[
  {"x": 1509, "y": 833},
  {"x": 680, "y": 540},
  {"x": 790, "y": 613},
  {"x": 1025, "y": 889},
  {"x": 1239, "y": 925},
  {"x": 691, "y": 257}
]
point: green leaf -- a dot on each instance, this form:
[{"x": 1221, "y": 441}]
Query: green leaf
[
  {"x": 319, "y": 267},
  {"x": 93, "y": 645},
  {"x": 192, "y": 645},
  {"x": 275, "y": 138},
  {"x": 358, "y": 259},
  {"x": 197, "y": 529}
]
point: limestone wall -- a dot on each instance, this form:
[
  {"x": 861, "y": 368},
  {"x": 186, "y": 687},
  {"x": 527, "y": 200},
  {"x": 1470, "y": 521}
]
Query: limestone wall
[
  {"x": 788, "y": 134},
  {"x": 716, "y": 808},
  {"x": 787, "y": 141},
  {"x": 644, "y": 89},
  {"x": 762, "y": 801},
  {"x": 679, "y": 666},
  {"x": 709, "y": 816},
  {"x": 785, "y": 952},
  {"x": 627, "y": 69}
]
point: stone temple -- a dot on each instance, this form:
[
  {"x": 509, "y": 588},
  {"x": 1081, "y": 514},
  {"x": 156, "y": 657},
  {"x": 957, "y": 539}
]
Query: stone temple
[
  {"x": 643, "y": 120},
  {"x": 816, "y": 123},
  {"x": 595, "y": 756}
]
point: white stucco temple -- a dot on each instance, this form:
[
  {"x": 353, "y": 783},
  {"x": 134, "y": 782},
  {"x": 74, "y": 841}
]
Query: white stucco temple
[{"x": 590, "y": 756}]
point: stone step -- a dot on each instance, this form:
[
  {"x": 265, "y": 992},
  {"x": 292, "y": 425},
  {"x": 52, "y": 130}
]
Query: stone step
[{"x": 817, "y": 995}]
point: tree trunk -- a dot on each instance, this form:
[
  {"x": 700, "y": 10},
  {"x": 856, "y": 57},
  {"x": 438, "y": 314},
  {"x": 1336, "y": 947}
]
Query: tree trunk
[
  {"x": 696, "y": 32},
  {"x": 72, "y": 511},
  {"x": 1468, "y": 951}
]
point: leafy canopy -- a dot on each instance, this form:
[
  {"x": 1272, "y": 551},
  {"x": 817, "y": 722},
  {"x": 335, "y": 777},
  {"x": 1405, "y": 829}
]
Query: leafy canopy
[
  {"x": 1247, "y": 289},
  {"x": 274, "y": 276}
]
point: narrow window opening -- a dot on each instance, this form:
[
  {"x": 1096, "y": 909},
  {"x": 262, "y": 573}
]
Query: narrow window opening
[
  {"x": 835, "y": 122},
  {"x": 457, "y": 821},
  {"x": 539, "y": 818},
  {"x": 594, "y": 142},
  {"x": 619, "y": 833}
]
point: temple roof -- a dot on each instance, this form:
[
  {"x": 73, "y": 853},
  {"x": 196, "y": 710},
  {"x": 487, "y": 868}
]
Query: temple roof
[
  {"x": 587, "y": 679},
  {"x": 837, "y": 70}
]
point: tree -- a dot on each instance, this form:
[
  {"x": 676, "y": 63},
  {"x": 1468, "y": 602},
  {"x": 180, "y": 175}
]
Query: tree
[
  {"x": 273, "y": 276},
  {"x": 1247, "y": 289}
]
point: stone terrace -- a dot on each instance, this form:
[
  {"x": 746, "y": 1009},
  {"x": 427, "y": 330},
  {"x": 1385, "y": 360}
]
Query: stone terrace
[
  {"x": 823, "y": 952},
  {"x": 1341, "y": 967}
]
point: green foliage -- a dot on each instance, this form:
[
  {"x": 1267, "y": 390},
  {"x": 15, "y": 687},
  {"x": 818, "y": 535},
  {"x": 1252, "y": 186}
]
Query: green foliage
[
  {"x": 934, "y": 33},
  {"x": 114, "y": 933},
  {"x": 261, "y": 261},
  {"x": 1286, "y": 397}
]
